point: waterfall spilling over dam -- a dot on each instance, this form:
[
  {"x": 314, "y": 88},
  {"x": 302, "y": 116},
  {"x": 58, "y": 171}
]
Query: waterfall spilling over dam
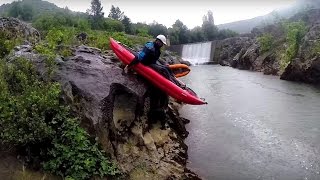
[{"x": 198, "y": 53}]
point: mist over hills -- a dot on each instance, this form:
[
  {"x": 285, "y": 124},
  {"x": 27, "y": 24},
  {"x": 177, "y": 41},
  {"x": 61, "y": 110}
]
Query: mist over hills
[{"x": 245, "y": 26}]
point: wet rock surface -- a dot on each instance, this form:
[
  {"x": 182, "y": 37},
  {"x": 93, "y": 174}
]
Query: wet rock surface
[
  {"x": 16, "y": 28},
  {"x": 135, "y": 122}
]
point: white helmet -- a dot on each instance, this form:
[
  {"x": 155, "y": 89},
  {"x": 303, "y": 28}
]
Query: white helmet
[{"x": 162, "y": 38}]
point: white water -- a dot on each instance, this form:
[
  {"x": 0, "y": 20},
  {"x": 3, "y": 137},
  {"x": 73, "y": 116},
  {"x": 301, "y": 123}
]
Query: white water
[{"x": 198, "y": 53}]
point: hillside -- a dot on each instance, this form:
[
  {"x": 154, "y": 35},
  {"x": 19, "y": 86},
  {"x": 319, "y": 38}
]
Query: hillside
[
  {"x": 245, "y": 26},
  {"x": 37, "y": 7}
]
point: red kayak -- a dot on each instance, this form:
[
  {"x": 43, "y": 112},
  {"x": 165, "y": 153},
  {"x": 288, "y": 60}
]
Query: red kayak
[{"x": 186, "y": 96}]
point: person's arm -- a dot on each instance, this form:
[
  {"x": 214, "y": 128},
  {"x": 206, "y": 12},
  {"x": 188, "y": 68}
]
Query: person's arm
[
  {"x": 141, "y": 56},
  {"x": 137, "y": 58},
  {"x": 134, "y": 61}
]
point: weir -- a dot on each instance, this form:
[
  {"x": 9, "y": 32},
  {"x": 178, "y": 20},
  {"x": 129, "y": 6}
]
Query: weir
[{"x": 197, "y": 53}]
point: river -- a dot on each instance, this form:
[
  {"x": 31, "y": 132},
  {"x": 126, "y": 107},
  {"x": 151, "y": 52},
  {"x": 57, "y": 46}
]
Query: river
[{"x": 254, "y": 127}]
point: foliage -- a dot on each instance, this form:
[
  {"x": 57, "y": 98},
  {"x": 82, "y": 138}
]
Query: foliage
[
  {"x": 83, "y": 25},
  {"x": 95, "y": 40},
  {"x": 96, "y": 14},
  {"x": 156, "y": 29},
  {"x": 316, "y": 48},
  {"x": 46, "y": 16},
  {"x": 179, "y": 33},
  {"x": 56, "y": 20},
  {"x": 7, "y": 42},
  {"x": 127, "y": 25},
  {"x": 138, "y": 40},
  {"x": 141, "y": 29},
  {"x": 112, "y": 25},
  {"x": 60, "y": 36},
  {"x": 197, "y": 34},
  {"x": 33, "y": 116},
  {"x": 74, "y": 155},
  {"x": 115, "y": 13},
  {"x": 209, "y": 29},
  {"x": 295, "y": 31},
  {"x": 266, "y": 42},
  {"x": 21, "y": 10},
  {"x": 57, "y": 41},
  {"x": 38, "y": 7},
  {"x": 174, "y": 36},
  {"x": 226, "y": 33},
  {"x": 96, "y": 9},
  {"x": 122, "y": 38},
  {"x": 25, "y": 104}
]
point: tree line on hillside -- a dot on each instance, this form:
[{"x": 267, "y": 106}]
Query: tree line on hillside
[{"x": 116, "y": 21}]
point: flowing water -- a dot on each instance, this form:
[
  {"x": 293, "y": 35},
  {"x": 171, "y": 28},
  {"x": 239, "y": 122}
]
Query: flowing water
[
  {"x": 254, "y": 127},
  {"x": 197, "y": 53}
]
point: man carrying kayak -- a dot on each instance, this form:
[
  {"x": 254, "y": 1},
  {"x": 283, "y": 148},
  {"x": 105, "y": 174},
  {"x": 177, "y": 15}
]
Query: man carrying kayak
[{"x": 149, "y": 56}]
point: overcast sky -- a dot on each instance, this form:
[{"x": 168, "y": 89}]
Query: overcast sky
[{"x": 190, "y": 12}]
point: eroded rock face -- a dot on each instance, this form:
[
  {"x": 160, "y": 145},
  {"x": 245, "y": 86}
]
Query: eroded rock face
[
  {"x": 132, "y": 119},
  {"x": 15, "y": 27},
  {"x": 248, "y": 60},
  {"x": 230, "y": 47},
  {"x": 170, "y": 58},
  {"x": 245, "y": 52}
]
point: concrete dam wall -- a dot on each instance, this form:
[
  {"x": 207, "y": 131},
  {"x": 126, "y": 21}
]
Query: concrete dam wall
[{"x": 198, "y": 53}]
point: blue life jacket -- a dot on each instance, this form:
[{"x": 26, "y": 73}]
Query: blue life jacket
[{"x": 149, "y": 54}]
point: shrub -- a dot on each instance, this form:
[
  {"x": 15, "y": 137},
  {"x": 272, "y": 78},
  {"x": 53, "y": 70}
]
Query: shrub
[
  {"x": 98, "y": 39},
  {"x": 112, "y": 25},
  {"x": 57, "y": 41},
  {"x": 266, "y": 42},
  {"x": 32, "y": 117},
  {"x": 295, "y": 31},
  {"x": 7, "y": 42},
  {"x": 315, "y": 49}
]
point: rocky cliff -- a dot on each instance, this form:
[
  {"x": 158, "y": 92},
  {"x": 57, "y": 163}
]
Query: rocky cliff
[
  {"x": 246, "y": 52},
  {"x": 138, "y": 125},
  {"x": 131, "y": 118}
]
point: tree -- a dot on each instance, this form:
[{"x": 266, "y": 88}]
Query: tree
[
  {"x": 96, "y": 14},
  {"x": 127, "y": 25},
  {"x": 113, "y": 25},
  {"x": 15, "y": 10},
  {"x": 96, "y": 9},
  {"x": 226, "y": 33},
  {"x": 208, "y": 27},
  {"x": 141, "y": 29},
  {"x": 115, "y": 13},
  {"x": 21, "y": 11},
  {"x": 156, "y": 29},
  {"x": 179, "y": 33},
  {"x": 197, "y": 35}
]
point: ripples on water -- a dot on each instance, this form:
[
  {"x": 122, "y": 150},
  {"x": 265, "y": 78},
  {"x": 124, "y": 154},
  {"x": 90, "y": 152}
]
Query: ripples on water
[{"x": 254, "y": 127}]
